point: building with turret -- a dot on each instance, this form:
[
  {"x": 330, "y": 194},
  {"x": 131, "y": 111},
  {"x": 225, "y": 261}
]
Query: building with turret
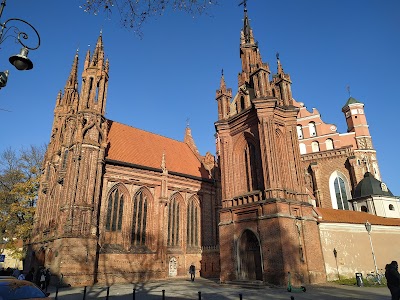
[{"x": 285, "y": 192}]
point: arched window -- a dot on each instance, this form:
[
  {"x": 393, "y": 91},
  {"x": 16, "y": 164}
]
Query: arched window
[
  {"x": 391, "y": 207},
  {"x": 192, "y": 238},
  {"x": 315, "y": 146},
  {"x": 173, "y": 222},
  {"x": 329, "y": 144},
  {"x": 303, "y": 149},
  {"x": 139, "y": 219},
  {"x": 312, "y": 128},
  {"x": 115, "y": 210},
  {"x": 251, "y": 167},
  {"x": 364, "y": 208},
  {"x": 300, "y": 132},
  {"x": 339, "y": 190}
]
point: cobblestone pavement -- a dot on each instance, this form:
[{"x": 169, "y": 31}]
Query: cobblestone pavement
[{"x": 211, "y": 290}]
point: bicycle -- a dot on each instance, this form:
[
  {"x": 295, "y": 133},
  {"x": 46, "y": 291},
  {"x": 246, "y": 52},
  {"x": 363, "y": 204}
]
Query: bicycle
[{"x": 376, "y": 278}]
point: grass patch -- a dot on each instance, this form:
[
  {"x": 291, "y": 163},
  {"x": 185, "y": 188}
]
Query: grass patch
[{"x": 353, "y": 282}]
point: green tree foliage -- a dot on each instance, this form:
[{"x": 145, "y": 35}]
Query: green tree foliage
[
  {"x": 19, "y": 183},
  {"x": 133, "y": 13}
]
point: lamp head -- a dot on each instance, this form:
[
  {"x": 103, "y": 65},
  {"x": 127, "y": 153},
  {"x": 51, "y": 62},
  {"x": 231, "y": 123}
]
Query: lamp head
[
  {"x": 21, "y": 60},
  {"x": 3, "y": 78},
  {"x": 368, "y": 226}
]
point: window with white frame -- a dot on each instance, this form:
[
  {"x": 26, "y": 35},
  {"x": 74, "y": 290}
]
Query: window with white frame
[
  {"x": 312, "y": 129},
  {"x": 300, "y": 132},
  {"x": 303, "y": 149},
  {"x": 315, "y": 146},
  {"x": 339, "y": 190},
  {"x": 329, "y": 144}
]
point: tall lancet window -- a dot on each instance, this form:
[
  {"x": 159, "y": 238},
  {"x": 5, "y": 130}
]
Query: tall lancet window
[
  {"x": 339, "y": 190},
  {"x": 90, "y": 92},
  {"x": 251, "y": 167},
  {"x": 139, "y": 219},
  {"x": 242, "y": 104},
  {"x": 192, "y": 224},
  {"x": 341, "y": 196},
  {"x": 65, "y": 159},
  {"x": 174, "y": 222},
  {"x": 115, "y": 210},
  {"x": 96, "y": 96}
]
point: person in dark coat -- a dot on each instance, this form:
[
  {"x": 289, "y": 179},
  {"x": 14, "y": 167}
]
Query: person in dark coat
[
  {"x": 30, "y": 274},
  {"x": 48, "y": 277},
  {"x": 393, "y": 279},
  {"x": 192, "y": 271},
  {"x": 42, "y": 279}
]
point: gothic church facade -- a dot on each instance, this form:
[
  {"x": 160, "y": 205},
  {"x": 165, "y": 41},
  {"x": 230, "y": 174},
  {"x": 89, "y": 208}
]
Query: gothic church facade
[{"x": 119, "y": 204}]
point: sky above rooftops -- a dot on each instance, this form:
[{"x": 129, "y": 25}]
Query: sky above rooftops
[{"x": 168, "y": 78}]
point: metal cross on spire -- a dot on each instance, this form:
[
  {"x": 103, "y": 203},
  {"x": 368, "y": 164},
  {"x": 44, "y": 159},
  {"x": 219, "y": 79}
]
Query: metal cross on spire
[{"x": 244, "y": 2}]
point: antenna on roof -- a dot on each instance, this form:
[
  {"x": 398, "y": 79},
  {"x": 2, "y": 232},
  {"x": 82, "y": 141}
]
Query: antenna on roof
[
  {"x": 187, "y": 122},
  {"x": 348, "y": 90}
]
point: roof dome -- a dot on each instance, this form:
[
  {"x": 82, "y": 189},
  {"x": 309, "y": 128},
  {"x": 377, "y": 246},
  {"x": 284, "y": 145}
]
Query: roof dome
[
  {"x": 369, "y": 186},
  {"x": 351, "y": 100}
]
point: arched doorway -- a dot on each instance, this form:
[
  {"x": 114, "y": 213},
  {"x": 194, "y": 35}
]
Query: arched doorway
[{"x": 250, "y": 267}]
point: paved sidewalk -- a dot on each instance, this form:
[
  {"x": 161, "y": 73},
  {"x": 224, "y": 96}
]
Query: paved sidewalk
[{"x": 177, "y": 289}]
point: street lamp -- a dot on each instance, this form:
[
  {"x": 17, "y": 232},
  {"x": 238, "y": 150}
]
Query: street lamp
[
  {"x": 21, "y": 60},
  {"x": 368, "y": 227}
]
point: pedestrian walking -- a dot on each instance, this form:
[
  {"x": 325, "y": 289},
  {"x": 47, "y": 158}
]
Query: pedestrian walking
[
  {"x": 192, "y": 271},
  {"x": 393, "y": 279},
  {"x": 48, "y": 277},
  {"x": 42, "y": 279}
]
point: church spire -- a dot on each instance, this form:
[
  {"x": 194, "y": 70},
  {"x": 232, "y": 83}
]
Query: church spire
[
  {"x": 72, "y": 81},
  {"x": 223, "y": 96},
  {"x": 222, "y": 84},
  {"x": 252, "y": 64},
  {"x": 188, "y": 140},
  {"x": 246, "y": 24},
  {"x": 95, "y": 80},
  {"x": 70, "y": 96},
  {"x": 247, "y": 32},
  {"x": 280, "y": 69},
  {"x": 98, "y": 55}
]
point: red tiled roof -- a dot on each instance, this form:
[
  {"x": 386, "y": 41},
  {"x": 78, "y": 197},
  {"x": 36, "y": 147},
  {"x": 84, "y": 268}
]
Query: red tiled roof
[
  {"x": 330, "y": 215},
  {"x": 135, "y": 146}
]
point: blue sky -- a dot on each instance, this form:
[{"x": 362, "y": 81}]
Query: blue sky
[{"x": 171, "y": 74}]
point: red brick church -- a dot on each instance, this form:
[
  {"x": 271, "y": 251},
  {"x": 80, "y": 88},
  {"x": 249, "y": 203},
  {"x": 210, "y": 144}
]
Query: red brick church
[{"x": 120, "y": 204}]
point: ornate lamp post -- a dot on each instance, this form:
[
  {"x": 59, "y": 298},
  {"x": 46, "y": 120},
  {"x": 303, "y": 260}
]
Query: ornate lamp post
[
  {"x": 21, "y": 60},
  {"x": 368, "y": 227}
]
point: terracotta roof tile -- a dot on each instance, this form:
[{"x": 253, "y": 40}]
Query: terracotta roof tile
[
  {"x": 135, "y": 146},
  {"x": 329, "y": 215}
]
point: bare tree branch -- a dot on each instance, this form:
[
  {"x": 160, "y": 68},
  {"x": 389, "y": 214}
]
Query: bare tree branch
[{"x": 133, "y": 13}]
